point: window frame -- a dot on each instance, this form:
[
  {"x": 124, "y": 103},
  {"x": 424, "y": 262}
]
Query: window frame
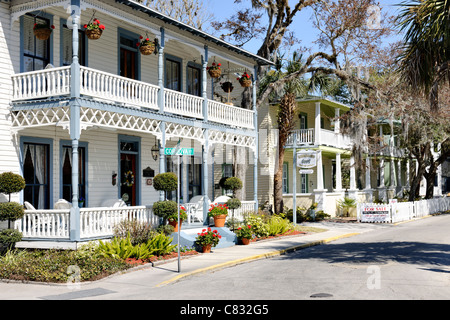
[{"x": 179, "y": 61}]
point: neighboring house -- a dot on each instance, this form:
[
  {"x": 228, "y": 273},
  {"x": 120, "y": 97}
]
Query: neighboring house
[
  {"x": 94, "y": 127},
  {"x": 333, "y": 175}
]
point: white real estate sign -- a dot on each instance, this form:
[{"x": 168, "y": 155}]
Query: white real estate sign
[{"x": 370, "y": 212}]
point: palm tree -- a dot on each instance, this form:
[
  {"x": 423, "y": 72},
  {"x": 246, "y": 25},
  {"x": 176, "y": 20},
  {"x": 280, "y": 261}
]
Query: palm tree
[
  {"x": 288, "y": 92},
  {"x": 425, "y": 59}
]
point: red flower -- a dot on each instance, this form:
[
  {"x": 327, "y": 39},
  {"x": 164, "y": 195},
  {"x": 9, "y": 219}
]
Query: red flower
[
  {"x": 141, "y": 37},
  {"x": 53, "y": 27},
  {"x": 138, "y": 44},
  {"x": 219, "y": 64},
  {"x": 147, "y": 39},
  {"x": 85, "y": 26},
  {"x": 102, "y": 27}
]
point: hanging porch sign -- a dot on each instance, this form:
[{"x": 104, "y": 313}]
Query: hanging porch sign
[
  {"x": 306, "y": 171},
  {"x": 306, "y": 159}
]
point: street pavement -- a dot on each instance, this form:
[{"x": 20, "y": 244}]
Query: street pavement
[{"x": 144, "y": 278}]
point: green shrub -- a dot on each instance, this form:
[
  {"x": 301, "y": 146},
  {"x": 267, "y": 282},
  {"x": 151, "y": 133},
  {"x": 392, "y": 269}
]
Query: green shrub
[
  {"x": 166, "y": 182},
  {"x": 233, "y": 183},
  {"x": 120, "y": 248},
  {"x": 11, "y": 183},
  {"x": 278, "y": 225},
  {"x": 11, "y": 211},
  {"x": 10, "y": 236},
  {"x": 259, "y": 227},
  {"x": 301, "y": 214},
  {"x": 139, "y": 232},
  {"x": 161, "y": 244},
  {"x": 165, "y": 209}
]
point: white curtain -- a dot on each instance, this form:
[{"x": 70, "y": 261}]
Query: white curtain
[{"x": 39, "y": 169}]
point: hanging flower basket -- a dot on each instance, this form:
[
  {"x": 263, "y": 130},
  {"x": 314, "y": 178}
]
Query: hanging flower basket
[
  {"x": 245, "y": 80},
  {"x": 42, "y": 31},
  {"x": 227, "y": 86},
  {"x": 94, "y": 29},
  {"x": 146, "y": 46},
  {"x": 214, "y": 70}
]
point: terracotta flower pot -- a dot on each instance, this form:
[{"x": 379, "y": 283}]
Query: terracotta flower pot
[
  {"x": 206, "y": 248},
  {"x": 219, "y": 221},
  {"x": 174, "y": 224},
  {"x": 245, "y": 241}
]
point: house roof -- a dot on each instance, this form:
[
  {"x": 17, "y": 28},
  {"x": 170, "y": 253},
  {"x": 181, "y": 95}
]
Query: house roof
[
  {"x": 156, "y": 14},
  {"x": 325, "y": 101}
]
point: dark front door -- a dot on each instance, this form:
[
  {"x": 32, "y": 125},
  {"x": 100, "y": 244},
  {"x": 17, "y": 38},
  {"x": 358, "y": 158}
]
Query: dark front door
[{"x": 128, "y": 178}]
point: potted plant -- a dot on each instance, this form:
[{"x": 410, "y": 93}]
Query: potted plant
[
  {"x": 207, "y": 239},
  {"x": 219, "y": 212},
  {"x": 94, "y": 29},
  {"x": 227, "y": 86},
  {"x": 42, "y": 31},
  {"x": 166, "y": 182},
  {"x": 214, "y": 70},
  {"x": 245, "y": 234},
  {"x": 173, "y": 218},
  {"x": 146, "y": 46},
  {"x": 245, "y": 80}
]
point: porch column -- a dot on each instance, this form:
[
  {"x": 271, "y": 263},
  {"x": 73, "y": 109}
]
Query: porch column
[
  {"x": 74, "y": 232},
  {"x": 317, "y": 125},
  {"x": 408, "y": 174},
  {"x": 338, "y": 173},
  {"x": 161, "y": 72},
  {"x": 256, "y": 150},
  {"x": 337, "y": 126},
  {"x": 381, "y": 186},
  {"x": 205, "y": 149},
  {"x": 319, "y": 193},
  {"x": 204, "y": 84},
  {"x": 399, "y": 178},
  {"x": 352, "y": 191},
  {"x": 294, "y": 178},
  {"x": 162, "y": 156}
]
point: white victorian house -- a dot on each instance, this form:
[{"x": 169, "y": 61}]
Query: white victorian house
[{"x": 88, "y": 122}]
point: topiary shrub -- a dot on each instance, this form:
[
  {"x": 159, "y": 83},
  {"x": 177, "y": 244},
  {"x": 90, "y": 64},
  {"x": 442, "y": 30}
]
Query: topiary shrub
[
  {"x": 166, "y": 182},
  {"x": 165, "y": 208},
  {"x": 8, "y": 239},
  {"x": 11, "y": 183},
  {"x": 233, "y": 183},
  {"x": 11, "y": 211}
]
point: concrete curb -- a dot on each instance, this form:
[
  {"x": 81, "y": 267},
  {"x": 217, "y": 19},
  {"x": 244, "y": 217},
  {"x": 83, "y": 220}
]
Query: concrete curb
[{"x": 254, "y": 257}]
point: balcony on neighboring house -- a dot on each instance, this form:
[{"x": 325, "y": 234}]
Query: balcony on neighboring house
[{"x": 309, "y": 137}]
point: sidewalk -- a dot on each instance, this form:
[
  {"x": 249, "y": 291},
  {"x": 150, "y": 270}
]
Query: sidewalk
[{"x": 147, "y": 277}]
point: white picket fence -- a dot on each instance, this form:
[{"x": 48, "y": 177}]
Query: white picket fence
[{"x": 401, "y": 211}]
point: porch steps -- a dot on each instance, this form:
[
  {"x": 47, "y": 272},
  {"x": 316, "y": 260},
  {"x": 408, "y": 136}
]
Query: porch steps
[{"x": 188, "y": 235}]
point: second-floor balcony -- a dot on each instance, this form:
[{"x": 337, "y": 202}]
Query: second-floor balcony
[
  {"x": 304, "y": 137},
  {"x": 104, "y": 86}
]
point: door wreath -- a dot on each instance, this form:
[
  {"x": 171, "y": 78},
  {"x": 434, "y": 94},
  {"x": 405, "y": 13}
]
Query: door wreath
[{"x": 129, "y": 178}]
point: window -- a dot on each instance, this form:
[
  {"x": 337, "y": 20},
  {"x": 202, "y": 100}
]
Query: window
[
  {"x": 66, "y": 49},
  {"x": 304, "y": 183},
  {"x": 129, "y": 57},
  {"x": 193, "y": 81},
  {"x": 285, "y": 178},
  {"x": 36, "y": 53},
  {"x": 172, "y": 166},
  {"x": 173, "y": 74},
  {"x": 303, "y": 120},
  {"x": 36, "y": 172},
  {"x": 194, "y": 178},
  {"x": 66, "y": 173}
]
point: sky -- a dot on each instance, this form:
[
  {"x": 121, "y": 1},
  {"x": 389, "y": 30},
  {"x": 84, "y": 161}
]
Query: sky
[{"x": 302, "y": 25}]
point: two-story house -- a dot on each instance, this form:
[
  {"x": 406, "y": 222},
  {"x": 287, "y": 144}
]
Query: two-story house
[
  {"x": 319, "y": 166},
  {"x": 93, "y": 120}
]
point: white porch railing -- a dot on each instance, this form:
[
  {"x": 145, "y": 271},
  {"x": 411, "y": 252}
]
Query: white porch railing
[
  {"x": 231, "y": 115},
  {"x": 99, "y": 84},
  {"x": 55, "y": 82},
  {"x": 304, "y": 136},
  {"x": 41, "y": 84},
  {"x": 94, "y": 222},
  {"x": 183, "y": 104},
  {"x": 44, "y": 224},
  {"x": 333, "y": 139}
]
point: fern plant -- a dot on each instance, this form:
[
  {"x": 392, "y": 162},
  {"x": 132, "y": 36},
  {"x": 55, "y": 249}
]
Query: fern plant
[
  {"x": 161, "y": 244},
  {"x": 122, "y": 248}
]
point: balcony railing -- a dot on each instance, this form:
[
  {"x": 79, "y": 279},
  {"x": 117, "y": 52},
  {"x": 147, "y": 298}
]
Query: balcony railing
[
  {"x": 96, "y": 84},
  {"x": 327, "y": 137}
]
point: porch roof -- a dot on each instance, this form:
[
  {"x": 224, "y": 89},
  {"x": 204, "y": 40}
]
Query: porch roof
[{"x": 155, "y": 14}]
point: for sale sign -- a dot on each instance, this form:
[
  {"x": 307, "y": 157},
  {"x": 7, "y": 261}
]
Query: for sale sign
[{"x": 375, "y": 213}]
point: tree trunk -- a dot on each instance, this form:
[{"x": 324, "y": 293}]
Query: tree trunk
[{"x": 278, "y": 181}]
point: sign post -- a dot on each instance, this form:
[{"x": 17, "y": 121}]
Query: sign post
[{"x": 178, "y": 151}]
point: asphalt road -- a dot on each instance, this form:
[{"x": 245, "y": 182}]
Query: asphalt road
[{"x": 410, "y": 261}]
